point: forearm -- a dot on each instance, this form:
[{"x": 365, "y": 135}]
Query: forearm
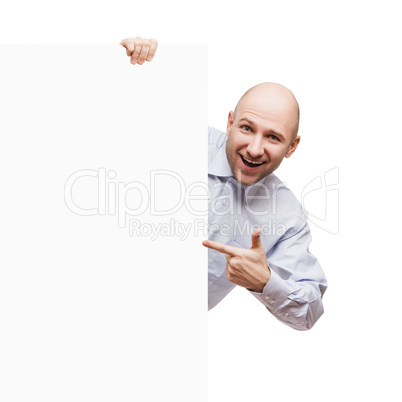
[{"x": 296, "y": 304}]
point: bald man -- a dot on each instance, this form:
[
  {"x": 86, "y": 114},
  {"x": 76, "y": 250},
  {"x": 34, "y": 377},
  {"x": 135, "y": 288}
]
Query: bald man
[
  {"x": 258, "y": 233},
  {"x": 261, "y": 131}
]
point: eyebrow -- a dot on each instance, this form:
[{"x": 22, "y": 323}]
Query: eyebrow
[{"x": 270, "y": 131}]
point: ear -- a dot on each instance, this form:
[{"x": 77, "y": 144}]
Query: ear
[
  {"x": 230, "y": 122},
  {"x": 292, "y": 147}
]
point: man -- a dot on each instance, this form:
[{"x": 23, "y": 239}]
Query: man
[{"x": 258, "y": 234}]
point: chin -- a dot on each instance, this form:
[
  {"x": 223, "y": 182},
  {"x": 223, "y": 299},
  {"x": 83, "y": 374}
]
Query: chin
[
  {"x": 247, "y": 182},
  {"x": 251, "y": 182}
]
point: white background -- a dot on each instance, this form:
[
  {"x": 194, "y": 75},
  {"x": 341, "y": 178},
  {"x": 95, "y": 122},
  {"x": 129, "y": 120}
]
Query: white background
[{"x": 342, "y": 60}]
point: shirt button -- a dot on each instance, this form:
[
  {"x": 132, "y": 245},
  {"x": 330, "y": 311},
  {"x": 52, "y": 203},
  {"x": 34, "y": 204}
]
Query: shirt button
[
  {"x": 272, "y": 302},
  {"x": 286, "y": 314},
  {"x": 266, "y": 297},
  {"x": 224, "y": 202}
]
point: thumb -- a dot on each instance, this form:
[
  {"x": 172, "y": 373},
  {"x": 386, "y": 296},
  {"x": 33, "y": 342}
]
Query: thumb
[{"x": 256, "y": 239}]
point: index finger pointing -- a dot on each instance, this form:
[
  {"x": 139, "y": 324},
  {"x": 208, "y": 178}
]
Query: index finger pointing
[{"x": 222, "y": 248}]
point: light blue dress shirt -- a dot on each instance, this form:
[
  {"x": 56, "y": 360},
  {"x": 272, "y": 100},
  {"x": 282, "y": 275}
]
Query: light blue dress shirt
[{"x": 294, "y": 291}]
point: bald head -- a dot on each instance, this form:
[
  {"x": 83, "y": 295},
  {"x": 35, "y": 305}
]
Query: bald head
[{"x": 268, "y": 97}]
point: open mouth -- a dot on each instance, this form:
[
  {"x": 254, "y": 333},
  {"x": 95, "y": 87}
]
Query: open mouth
[{"x": 250, "y": 163}]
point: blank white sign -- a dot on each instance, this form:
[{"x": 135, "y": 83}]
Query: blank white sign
[{"x": 103, "y": 275}]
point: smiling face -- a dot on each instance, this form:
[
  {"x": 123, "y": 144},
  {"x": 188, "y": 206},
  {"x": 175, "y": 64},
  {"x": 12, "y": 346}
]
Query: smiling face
[{"x": 261, "y": 132}]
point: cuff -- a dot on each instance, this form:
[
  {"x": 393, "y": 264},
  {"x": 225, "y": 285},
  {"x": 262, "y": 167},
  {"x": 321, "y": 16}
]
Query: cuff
[{"x": 275, "y": 292}]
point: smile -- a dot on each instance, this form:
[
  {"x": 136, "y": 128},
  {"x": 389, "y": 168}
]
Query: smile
[{"x": 249, "y": 163}]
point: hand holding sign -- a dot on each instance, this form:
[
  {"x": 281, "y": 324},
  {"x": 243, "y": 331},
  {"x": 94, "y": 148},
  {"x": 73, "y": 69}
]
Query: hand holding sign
[
  {"x": 245, "y": 267},
  {"x": 140, "y": 49}
]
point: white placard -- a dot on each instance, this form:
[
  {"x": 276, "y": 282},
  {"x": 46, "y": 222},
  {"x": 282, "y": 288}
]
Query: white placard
[{"x": 103, "y": 275}]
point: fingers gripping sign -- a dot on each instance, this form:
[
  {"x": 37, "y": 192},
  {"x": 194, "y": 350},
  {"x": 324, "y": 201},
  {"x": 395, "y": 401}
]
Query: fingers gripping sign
[
  {"x": 139, "y": 49},
  {"x": 245, "y": 267}
]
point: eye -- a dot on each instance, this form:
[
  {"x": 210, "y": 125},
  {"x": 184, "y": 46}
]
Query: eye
[
  {"x": 246, "y": 128},
  {"x": 273, "y": 137}
]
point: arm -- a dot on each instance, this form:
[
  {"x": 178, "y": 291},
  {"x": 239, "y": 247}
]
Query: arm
[
  {"x": 294, "y": 291},
  {"x": 288, "y": 280}
]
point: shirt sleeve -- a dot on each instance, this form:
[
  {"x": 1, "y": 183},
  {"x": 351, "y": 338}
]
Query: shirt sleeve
[{"x": 294, "y": 291}]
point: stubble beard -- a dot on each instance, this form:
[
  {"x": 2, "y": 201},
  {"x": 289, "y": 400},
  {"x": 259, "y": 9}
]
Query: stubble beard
[{"x": 237, "y": 172}]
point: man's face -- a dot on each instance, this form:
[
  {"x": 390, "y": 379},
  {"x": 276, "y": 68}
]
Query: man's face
[{"x": 260, "y": 134}]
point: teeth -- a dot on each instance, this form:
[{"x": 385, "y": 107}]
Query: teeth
[{"x": 254, "y": 163}]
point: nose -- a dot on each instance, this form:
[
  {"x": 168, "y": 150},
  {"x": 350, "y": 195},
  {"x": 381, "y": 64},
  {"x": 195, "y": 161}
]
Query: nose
[{"x": 255, "y": 148}]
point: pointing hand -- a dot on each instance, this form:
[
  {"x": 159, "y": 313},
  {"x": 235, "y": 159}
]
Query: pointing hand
[{"x": 245, "y": 267}]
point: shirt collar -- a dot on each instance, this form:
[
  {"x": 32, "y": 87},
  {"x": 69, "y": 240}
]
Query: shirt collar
[{"x": 220, "y": 167}]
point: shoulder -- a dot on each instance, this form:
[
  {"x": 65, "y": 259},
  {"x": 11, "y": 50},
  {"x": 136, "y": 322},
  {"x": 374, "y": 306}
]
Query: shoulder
[
  {"x": 285, "y": 201},
  {"x": 216, "y": 137},
  {"x": 216, "y": 140}
]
